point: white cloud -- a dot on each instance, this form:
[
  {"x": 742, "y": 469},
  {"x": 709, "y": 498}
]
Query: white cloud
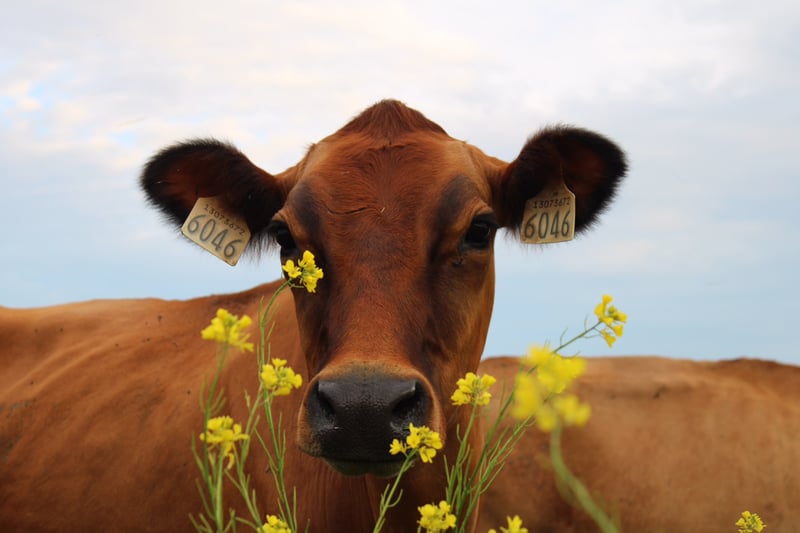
[{"x": 20, "y": 92}]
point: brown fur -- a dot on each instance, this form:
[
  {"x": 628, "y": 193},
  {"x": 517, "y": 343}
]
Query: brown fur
[{"x": 672, "y": 445}]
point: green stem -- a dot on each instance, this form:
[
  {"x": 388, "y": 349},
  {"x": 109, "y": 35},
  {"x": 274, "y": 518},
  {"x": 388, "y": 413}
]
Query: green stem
[
  {"x": 577, "y": 337},
  {"x": 458, "y": 492},
  {"x": 387, "y": 498},
  {"x": 279, "y": 445},
  {"x": 575, "y": 485},
  {"x": 218, "y": 496},
  {"x": 276, "y": 462},
  {"x": 242, "y": 481},
  {"x": 211, "y": 404},
  {"x": 495, "y": 450}
]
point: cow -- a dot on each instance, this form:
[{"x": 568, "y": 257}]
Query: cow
[
  {"x": 400, "y": 216},
  {"x": 99, "y": 400}
]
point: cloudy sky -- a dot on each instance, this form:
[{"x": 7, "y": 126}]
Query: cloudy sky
[{"x": 700, "y": 249}]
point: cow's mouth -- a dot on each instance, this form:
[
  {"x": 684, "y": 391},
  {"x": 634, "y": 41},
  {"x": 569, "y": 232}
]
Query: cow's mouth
[{"x": 388, "y": 468}]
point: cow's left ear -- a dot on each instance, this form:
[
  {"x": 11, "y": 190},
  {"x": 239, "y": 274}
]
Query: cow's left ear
[
  {"x": 177, "y": 176},
  {"x": 590, "y": 165}
]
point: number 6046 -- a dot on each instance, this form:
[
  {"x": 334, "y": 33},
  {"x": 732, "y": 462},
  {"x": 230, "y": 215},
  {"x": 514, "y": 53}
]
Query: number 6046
[
  {"x": 206, "y": 232},
  {"x": 547, "y": 226}
]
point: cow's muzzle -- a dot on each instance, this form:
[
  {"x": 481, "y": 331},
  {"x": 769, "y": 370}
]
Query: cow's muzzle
[{"x": 353, "y": 420}]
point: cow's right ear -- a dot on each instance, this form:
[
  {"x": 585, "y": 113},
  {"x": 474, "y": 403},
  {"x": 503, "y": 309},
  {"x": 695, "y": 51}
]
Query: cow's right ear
[{"x": 177, "y": 176}]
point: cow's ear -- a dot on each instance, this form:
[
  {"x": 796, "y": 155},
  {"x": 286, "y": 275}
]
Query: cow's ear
[
  {"x": 177, "y": 176},
  {"x": 590, "y": 165}
]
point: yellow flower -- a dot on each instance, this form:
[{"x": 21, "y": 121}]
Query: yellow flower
[
  {"x": 616, "y": 315},
  {"x": 600, "y": 310},
  {"x": 527, "y": 396},
  {"x": 397, "y": 447},
  {"x": 227, "y": 329},
  {"x": 538, "y": 355},
  {"x": 609, "y": 337},
  {"x": 554, "y": 371},
  {"x": 559, "y": 372},
  {"x": 279, "y": 379},
  {"x": 275, "y": 525},
  {"x": 292, "y": 271},
  {"x": 311, "y": 273},
  {"x": 306, "y": 272},
  {"x": 546, "y": 418},
  {"x": 613, "y": 319},
  {"x": 427, "y": 454},
  {"x": 223, "y": 433},
  {"x": 422, "y": 439},
  {"x": 473, "y": 390},
  {"x": 435, "y": 519},
  {"x": 750, "y": 523},
  {"x": 540, "y": 395},
  {"x": 425, "y": 441},
  {"x": 514, "y": 526},
  {"x": 571, "y": 411}
]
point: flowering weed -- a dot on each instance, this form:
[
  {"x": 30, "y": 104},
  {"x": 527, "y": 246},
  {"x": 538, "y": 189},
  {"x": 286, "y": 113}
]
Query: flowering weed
[
  {"x": 612, "y": 318},
  {"x": 750, "y": 523},
  {"x": 275, "y": 525},
  {"x": 433, "y": 518},
  {"x": 421, "y": 442},
  {"x": 539, "y": 397},
  {"x": 226, "y": 329},
  {"x": 305, "y": 274},
  {"x": 222, "y": 434},
  {"x": 473, "y": 390},
  {"x": 278, "y": 379},
  {"x": 514, "y": 526}
]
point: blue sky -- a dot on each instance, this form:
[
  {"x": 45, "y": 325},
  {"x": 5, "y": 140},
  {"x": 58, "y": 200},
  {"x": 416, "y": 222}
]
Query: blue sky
[{"x": 700, "y": 248}]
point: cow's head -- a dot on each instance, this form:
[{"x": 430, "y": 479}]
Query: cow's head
[{"x": 402, "y": 219}]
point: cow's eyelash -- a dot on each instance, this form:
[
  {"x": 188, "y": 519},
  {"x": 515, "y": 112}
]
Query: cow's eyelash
[{"x": 279, "y": 232}]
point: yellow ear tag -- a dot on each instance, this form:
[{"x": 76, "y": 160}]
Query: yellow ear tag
[
  {"x": 212, "y": 228},
  {"x": 549, "y": 216}
]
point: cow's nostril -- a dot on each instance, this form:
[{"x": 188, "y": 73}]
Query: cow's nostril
[
  {"x": 324, "y": 401},
  {"x": 409, "y": 406}
]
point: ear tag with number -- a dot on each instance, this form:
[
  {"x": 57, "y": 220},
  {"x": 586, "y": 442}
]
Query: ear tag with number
[
  {"x": 549, "y": 216},
  {"x": 214, "y": 229}
]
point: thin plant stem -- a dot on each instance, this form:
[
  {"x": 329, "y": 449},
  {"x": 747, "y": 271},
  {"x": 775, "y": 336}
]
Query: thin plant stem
[
  {"x": 387, "y": 497},
  {"x": 575, "y": 485},
  {"x": 277, "y": 437}
]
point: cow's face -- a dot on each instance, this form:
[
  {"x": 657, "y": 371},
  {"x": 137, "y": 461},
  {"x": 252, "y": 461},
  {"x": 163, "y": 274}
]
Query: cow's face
[
  {"x": 402, "y": 219},
  {"x": 404, "y": 234}
]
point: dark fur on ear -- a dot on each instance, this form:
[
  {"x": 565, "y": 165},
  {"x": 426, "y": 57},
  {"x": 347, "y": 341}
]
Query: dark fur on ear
[
  {"x": 591, "y": 166},
  {"x": 175, "y": 177}
]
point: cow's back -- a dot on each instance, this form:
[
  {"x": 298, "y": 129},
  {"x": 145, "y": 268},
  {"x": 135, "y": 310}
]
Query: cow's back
[
  {"x": 672, "y": 445},
  {"x": 98, "y": 405}
]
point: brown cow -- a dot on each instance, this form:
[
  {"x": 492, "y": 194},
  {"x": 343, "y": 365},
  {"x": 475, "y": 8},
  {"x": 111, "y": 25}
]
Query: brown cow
[{"x": 99, "y": 399}]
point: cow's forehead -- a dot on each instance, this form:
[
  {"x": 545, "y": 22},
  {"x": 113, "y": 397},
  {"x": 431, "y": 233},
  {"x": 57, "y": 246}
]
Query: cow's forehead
[{"x": 348, "y": 172}]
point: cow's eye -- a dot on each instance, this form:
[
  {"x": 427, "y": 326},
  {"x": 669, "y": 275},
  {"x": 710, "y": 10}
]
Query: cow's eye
[
  {"x": 479, "y": 234},
  {"x": 280, "y": 232}
]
